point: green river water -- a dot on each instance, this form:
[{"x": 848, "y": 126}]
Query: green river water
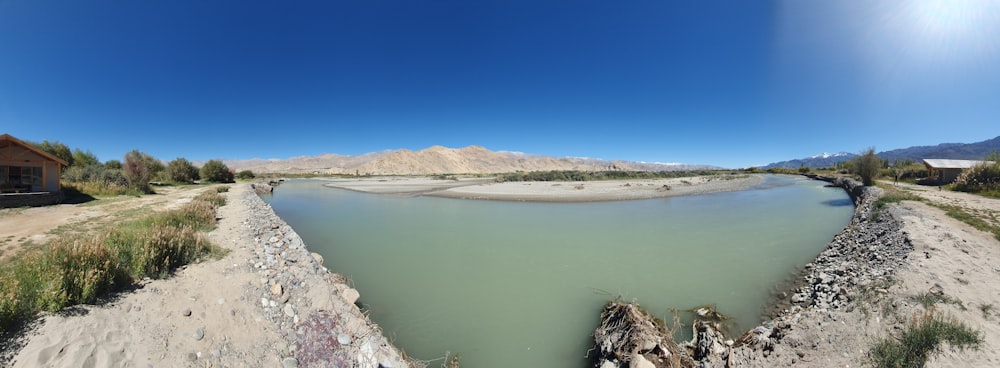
[{"x": 512, "y": 284}]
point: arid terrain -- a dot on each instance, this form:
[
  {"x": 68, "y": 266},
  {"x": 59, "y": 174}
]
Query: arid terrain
[
  {"x": 545, "y": 191},
  {"x": 952, "y": 271},
  {"x": 442, "y": 160}
]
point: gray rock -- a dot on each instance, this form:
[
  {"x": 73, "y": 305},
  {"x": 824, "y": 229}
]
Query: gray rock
[
  {"x": 343, "y": 339},
  {"x": 289, "y": 311},
  {"x": 199, "y": 334},
  {"x": 192, "y": 357},
  {"x": 186, "y": 313},
  {"x": 639, "y": 361},
  {"x": 289, "y": 363},
  {"x": 351, "y": 295}
]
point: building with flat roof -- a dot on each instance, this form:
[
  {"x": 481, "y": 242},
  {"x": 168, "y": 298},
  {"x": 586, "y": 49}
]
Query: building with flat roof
[{"x": 945, "y": 171}]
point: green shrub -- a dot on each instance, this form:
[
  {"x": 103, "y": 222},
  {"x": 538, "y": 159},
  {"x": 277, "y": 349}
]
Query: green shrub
[
  {"x": 180, "y": 170},
  {"x": 984, "y": 177},
  {"x": 96, "y": 180},
  {"x": 77, "y": 270},
  {"x": 867, "y": 166},
  {"x": 216, "y": 171},
  {"x": 923, "y": 336},
  {"x": 84, "y": 158},
  {"x": 245, "y": 175}
]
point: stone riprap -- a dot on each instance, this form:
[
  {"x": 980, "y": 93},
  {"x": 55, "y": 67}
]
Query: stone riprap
[
  {"x": 865, "y": 253},
  {"x": 312, "y": 307}
]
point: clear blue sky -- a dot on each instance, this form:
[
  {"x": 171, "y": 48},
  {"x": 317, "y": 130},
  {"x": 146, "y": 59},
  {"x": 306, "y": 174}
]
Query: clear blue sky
[{"x": 734, "y": 83}]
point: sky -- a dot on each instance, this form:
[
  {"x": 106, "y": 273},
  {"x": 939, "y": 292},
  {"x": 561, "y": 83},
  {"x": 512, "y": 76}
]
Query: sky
[{"x": 727, "y": 83}]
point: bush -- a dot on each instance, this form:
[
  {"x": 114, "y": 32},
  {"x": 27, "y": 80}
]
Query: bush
[
  {"x": 136, "y": 172},
  {"x": 923, "y": 337},
  {"x": 245, "y": 175},
  {"x": 180, "y": 170},
  {"x": 216, "y": 171},
  {"x": 984, "y": 177},
  {"x": 74, "y": 270},
  {"x": 867, "y": 166},
  {"x": 96, "y": 180},
  {"x": 81, "y": 158},
  {"x": 113, "y": 164}
]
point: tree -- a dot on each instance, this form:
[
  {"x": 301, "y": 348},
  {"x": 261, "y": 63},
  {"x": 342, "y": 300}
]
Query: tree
[
  {"x": 57, "y": 149},
  {"x": 154, "y": 165},
  {"x": 867, "y": 166},
  {"x": 136, "y": 172},
  {"x": 245, "y": 174},
  {"x": 216, "y": 171},
  {"x": 180, "y": 170},
  {"x": 113, "y": 164},
  {"x": 81, "y": 158}
]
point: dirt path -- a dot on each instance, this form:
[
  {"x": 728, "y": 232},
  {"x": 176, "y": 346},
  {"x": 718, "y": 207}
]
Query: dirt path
[
  {"x": 984, "y": 207},
  {"x": 957, "y": 260},
  {"x": 963, "y": 263},
  {"x": 185, "y": 320}
]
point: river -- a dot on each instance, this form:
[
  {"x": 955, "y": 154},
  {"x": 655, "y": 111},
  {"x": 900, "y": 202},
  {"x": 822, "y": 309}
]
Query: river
[{"x": 509, "y": 284}]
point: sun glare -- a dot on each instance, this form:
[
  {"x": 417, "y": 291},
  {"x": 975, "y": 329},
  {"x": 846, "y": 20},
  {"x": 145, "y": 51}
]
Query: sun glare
[{"x": 952, "y": 31}]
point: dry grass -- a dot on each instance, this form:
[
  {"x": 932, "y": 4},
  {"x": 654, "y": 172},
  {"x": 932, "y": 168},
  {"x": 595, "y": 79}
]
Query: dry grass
[
  {"x": 75, "y": 270},
  {"x": 923, "y": 337}
]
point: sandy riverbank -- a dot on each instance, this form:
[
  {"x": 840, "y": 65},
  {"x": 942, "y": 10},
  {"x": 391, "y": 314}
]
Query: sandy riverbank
[
  {"x": 269, "y": 302},
  {"x": 569, "y": 191}
]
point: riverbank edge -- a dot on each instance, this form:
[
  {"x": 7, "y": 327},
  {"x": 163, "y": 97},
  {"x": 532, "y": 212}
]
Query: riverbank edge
[
  {"x": 571, "y": 191},
  {"x": 865, "y": 253},
  {"x": 313, "y": 308}
]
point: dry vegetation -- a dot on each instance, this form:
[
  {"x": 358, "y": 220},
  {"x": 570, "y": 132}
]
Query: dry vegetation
[{"x": 80, "y": 269}]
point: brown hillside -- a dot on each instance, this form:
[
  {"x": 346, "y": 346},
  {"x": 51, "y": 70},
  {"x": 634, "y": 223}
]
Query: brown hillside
[{"x": 438, "y": 160}]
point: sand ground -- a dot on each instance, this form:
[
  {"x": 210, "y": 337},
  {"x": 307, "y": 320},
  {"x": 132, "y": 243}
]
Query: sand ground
[
  {"x": 568, "y": 191},
  {"x": 948, "y": 257},
  {"x": 203, "y": 316}
]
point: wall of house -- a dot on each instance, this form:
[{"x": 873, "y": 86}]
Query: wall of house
[
  {"x": 52, "y": 173},
  {"x": 949, "y": 175},
  {"x": 20, "y": 157}
]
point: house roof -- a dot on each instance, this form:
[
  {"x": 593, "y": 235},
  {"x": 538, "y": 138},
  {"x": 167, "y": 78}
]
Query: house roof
[
  {"x": 938, "y": 163},
  {"x": 32, "y": 148}
]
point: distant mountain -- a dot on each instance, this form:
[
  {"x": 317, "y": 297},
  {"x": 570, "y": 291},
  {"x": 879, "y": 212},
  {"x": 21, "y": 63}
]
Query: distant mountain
[
  {"x": 954, "y": 151},
  {"x": 443, "y": 160},
  {"x": 821, "y": 160}
]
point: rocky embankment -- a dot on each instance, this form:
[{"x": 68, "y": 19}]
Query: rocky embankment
[
  {"x": 861, "y": 257},
  {"x": 313, "y": 308}
]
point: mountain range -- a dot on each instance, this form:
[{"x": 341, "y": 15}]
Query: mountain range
[
  {"x": 443, "y": 160},
  {"x": 954, "y": 151}
]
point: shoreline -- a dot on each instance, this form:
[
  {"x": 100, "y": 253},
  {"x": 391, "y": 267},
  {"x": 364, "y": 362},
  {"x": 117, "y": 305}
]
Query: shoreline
[
  {"x": 269, "y": 302},
  {"x": 865, "y": 286},
  {"x": 553, "y": 192}
]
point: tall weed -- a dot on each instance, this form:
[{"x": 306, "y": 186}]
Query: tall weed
[{"x": 73, "y": 271}]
